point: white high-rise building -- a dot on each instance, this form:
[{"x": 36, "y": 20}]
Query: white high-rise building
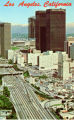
[{"x": 64, "y": 66}]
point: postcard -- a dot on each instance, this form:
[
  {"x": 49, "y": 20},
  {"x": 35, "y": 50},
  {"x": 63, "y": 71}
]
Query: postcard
[{"x": 37, "y": 59}]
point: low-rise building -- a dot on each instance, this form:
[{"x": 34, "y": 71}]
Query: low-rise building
[
  {"x": 30, "y": 43},
  {"x": 33, "y": 58},
  {"x": 67, "y": 115},
  {"x": 48, "y": 61},
  {"x": 36, "y": 51},
  {"x": 18, "y": 43},
  {"x": 31, "y": 80},
  {"x": 10, "y": 54}
]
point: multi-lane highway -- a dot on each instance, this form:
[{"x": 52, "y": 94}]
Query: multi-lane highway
[{"x": 24, "y": 99}]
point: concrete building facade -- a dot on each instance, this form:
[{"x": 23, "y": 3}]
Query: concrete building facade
[
  {"x": 48, "y": 61},
  {"x": 72, "y": 51},
  {"x": 68, "y": 46},
  {"x": 18, "y": 43},
  {"x": 5, "y": 38},
  {"x": 64, "y": 66},
  {"x": 33, "y": 58}
]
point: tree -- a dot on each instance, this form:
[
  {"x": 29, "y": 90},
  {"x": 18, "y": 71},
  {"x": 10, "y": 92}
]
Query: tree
[
  {"x": 15, "y": 67},
  {"x": 0, "y": 79},
  {"x": 5, "y": 103},
  {"x": 6, "y": 92},
  {"x": 10, "y": 61},
  {"x": 43, "y": 77},
  {"x": 26, "y": 74},
  {"x": 1, "y": 104}
]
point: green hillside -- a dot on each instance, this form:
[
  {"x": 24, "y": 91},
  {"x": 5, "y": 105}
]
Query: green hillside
[
  {"x": 67, "y": 35},
  {"x": 19, "y": 35}
]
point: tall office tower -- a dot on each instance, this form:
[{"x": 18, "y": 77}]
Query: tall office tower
[
  {"x": 31, "y": 27},
  {"x": 40, "y": 30},
  {"x": 50, "y": 30},
  {"x": 5, "y": 38}
]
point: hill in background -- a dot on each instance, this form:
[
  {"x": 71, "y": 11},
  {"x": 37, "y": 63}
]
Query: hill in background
[{"x": 21, "y": 30}]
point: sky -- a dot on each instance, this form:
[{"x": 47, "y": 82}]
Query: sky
[{"x": 20, "y": 15}]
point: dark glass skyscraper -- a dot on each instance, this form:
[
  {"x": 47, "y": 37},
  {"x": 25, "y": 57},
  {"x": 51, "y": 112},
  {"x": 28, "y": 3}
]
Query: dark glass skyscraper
[
  {"x": 31, "y": 27},
  {"x": 50, "y": 30}
]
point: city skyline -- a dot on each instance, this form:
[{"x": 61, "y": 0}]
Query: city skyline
[{"x": 18, "y": 15}]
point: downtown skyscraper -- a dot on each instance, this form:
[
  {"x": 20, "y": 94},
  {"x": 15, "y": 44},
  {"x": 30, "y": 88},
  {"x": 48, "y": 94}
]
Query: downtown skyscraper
[
  {"x": 31, "y": 27},
  {"x": 5, "y": 38},
  {"x": 50, "y": 30}
]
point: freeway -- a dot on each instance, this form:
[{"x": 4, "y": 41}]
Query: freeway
[
  {"x": 24, "y": 99},
  {"x": 9, "y": 71}
]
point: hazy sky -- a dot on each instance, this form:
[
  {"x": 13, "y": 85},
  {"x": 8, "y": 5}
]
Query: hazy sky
[{"x": 19, "y": 15}]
